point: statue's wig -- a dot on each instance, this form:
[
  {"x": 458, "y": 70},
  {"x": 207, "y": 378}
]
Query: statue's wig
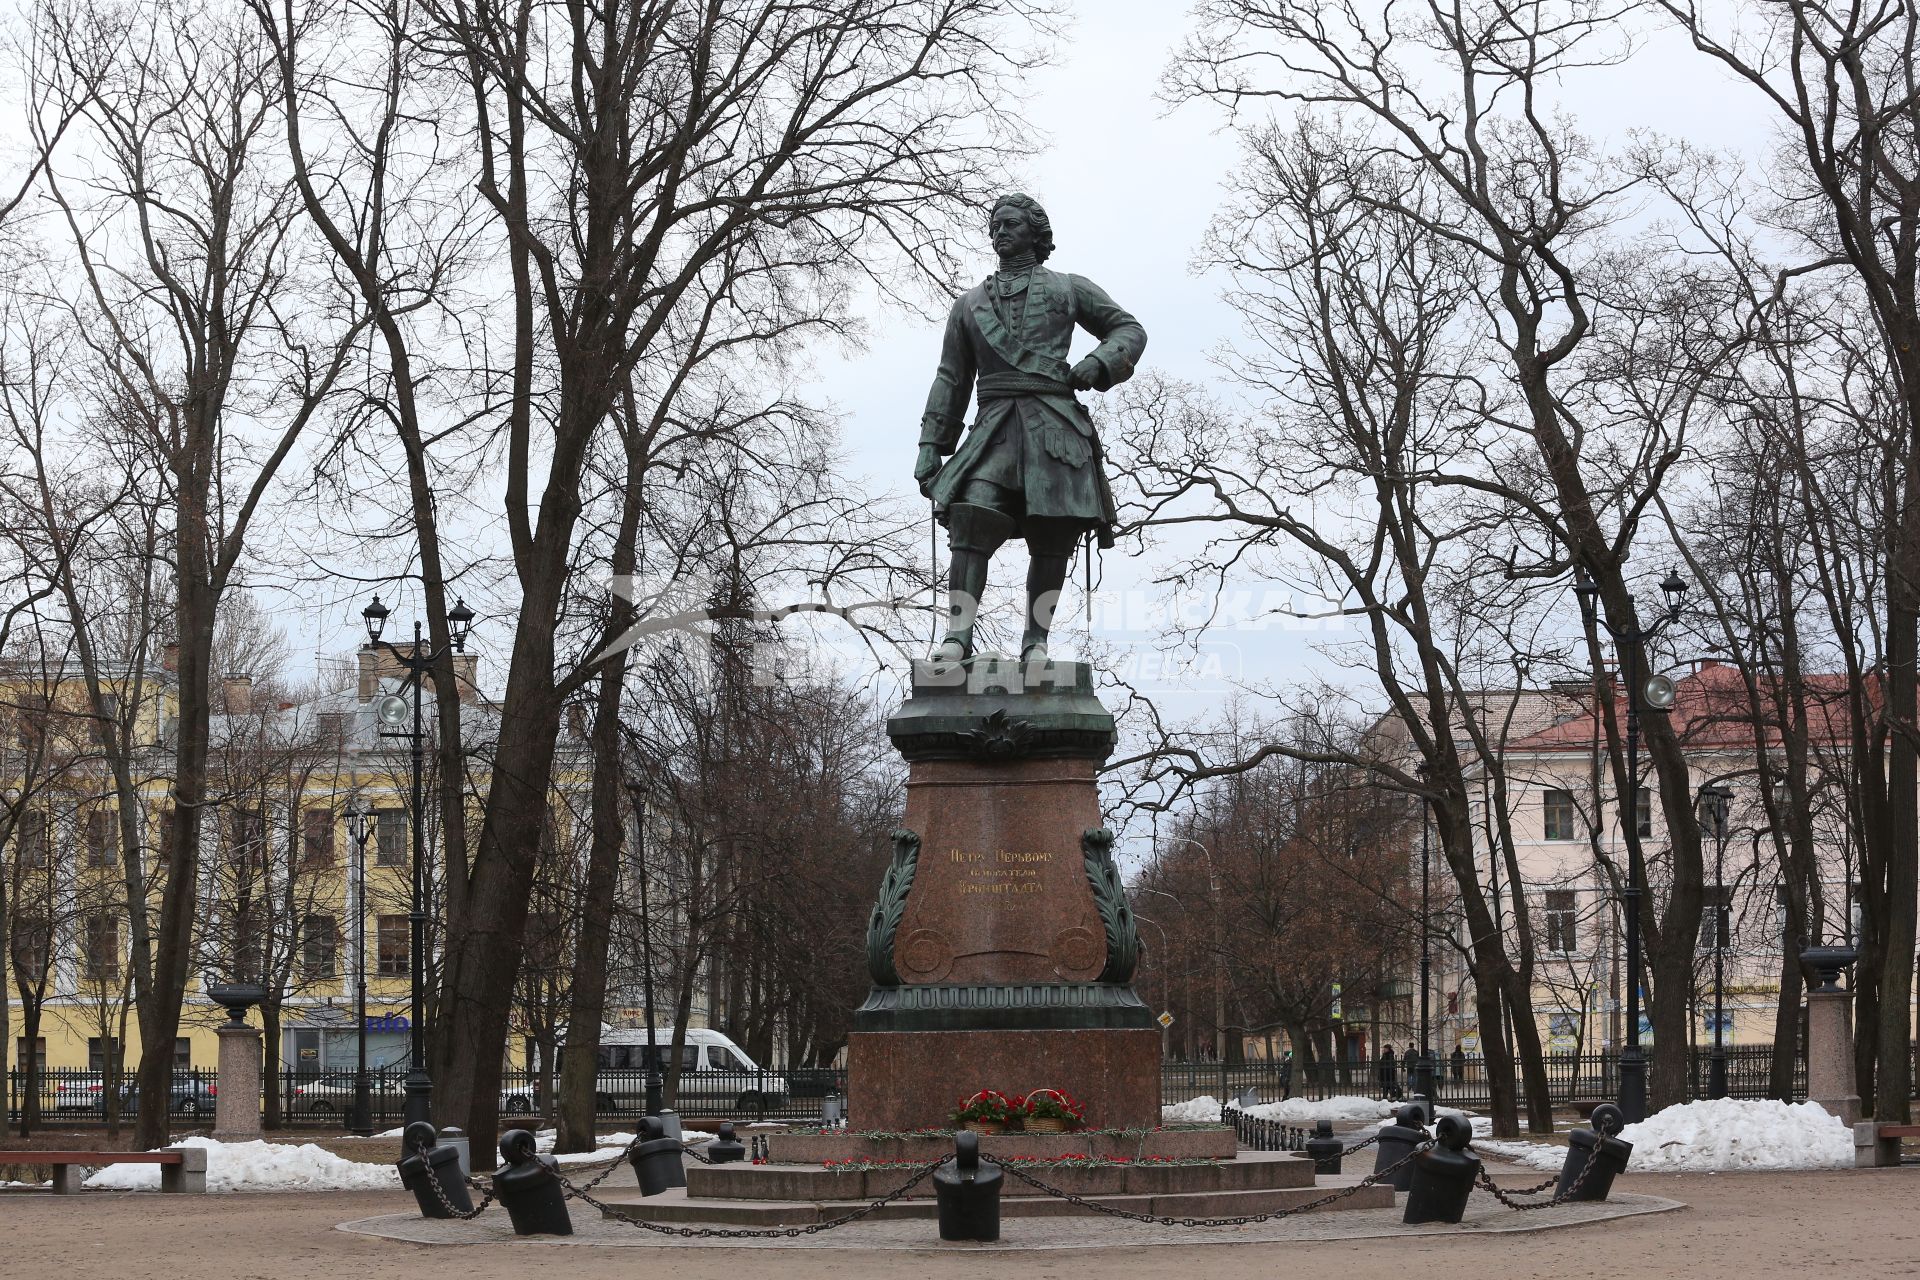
[{"x": 1036, "y": 218}]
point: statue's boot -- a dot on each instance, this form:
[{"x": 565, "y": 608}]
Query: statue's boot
[
  {"x": 974, "y": 534},
  {"x": 1049, "y": 549}
]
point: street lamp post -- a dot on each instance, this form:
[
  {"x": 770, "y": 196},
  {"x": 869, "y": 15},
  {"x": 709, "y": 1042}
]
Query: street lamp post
[
  {"x": 638, "y": 793},
  {"x": 1716, "y": 804},
  {"x": 360, "y": 829},
  {"x": 1656, "y": 695},
  {"x": 391, "y": 711},
  {"x": 1422, "y": 1078},
  {"x": 1219, "y": 962}
]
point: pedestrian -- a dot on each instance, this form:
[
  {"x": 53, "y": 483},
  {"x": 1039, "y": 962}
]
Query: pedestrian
[
  {"x": 1389, "y": 1075},
  {"x": 1458, "y": 1064},
  {"x": 1286, "y": 1075}
]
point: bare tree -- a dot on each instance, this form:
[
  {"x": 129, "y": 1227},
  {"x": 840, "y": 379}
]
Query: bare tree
[{"x": 1838, "y": 77}]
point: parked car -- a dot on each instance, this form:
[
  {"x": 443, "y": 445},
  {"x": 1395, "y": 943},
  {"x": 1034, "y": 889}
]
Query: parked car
[
  {"x": 517, "y": 1099},
  {"x": 715, "y": 1073},
  {"x": 332, "y": 1094},
  {"x": 189, "y": 1096},
  {"x": 77, "y": 1093}
]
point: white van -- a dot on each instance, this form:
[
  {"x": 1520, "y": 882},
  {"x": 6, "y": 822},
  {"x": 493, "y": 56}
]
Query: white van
[{"x": 714, "y": 1072}]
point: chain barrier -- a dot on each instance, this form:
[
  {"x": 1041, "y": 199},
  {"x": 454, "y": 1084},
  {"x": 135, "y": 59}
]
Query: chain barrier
[
  {"x": 756, "y": 1233},
  {"x": 1486, "y": 1183},
  {"x": 1361, "y": 1145},
  {"x": 1165, "y": 1220},
  {"x": 689, "y": 1148}
]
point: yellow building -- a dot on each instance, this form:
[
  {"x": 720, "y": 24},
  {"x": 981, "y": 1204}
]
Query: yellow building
[{"x": 281, "y": 898}]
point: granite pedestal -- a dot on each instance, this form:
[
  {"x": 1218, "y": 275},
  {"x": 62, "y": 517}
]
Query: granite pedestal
[{"x": 1002, "y": 947}]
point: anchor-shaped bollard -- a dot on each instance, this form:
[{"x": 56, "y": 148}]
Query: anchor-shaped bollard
[
  {"x": 1443, "y": 1176},
  {"x": 529, "y": 1188},
  {"x": 725, "y": 1149},
  {"x": 1398, "y": 1141},
  {"x": 1324, "y": 1149},
  {"x": 968, "y": 1193},
  {"x": 426, "y": 1164},
  {"x": 656, "y": 1161},
  {"x": 1599, "y": 1144}
]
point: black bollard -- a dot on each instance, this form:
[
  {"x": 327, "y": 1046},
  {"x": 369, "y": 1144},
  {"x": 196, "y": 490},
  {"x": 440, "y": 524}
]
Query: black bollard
[
  {"x": 726, "y": 1148},
  {"x": 1443, "y": 1175},
  {"x": 1398, "y": 1141},
  {"x": 1324, "y": 1148},
  {"x": 656, "y": 1161},
  {"x": 427, "y": 1164},
  {"x": 529, "y": 1188},
  {"x": 968, "y": 1192},
  {"x": 1600, "y": 1144}
]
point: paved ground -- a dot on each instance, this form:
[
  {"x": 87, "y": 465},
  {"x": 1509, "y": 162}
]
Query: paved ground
[{"x": 1736, "y": 1227}]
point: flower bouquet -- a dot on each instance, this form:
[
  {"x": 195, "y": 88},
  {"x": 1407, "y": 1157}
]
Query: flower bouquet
[
  {"x": 988, "y": 1111},
  {"x": 1051, "y": 1111}
]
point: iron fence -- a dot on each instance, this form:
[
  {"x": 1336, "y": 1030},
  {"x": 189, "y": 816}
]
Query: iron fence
[
  {"x": 321, "y": 1100},
  {"x": 1460, "y": 1082}
]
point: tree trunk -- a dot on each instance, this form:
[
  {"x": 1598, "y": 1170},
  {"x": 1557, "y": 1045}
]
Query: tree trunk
[{"x": 270, "y": 1063}]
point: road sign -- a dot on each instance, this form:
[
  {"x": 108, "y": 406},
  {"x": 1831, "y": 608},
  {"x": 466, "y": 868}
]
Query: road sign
[{"x": 1165, "y": 1019}]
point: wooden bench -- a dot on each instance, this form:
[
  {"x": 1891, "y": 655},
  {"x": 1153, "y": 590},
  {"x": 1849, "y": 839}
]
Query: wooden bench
[
  {"x": 1876, "y": 1145},
  {"x": 181, "y": 1168}
]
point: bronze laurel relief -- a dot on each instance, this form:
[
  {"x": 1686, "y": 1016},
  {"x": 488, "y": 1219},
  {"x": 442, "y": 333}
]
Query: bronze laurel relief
[
  {"x": 884, "y": 923},
  {"x": 1110, "y": 896}
]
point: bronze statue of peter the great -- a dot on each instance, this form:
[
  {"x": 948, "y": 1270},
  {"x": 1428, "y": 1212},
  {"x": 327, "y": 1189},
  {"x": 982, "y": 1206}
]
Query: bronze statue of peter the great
[{"x": 1030, "y": 466}]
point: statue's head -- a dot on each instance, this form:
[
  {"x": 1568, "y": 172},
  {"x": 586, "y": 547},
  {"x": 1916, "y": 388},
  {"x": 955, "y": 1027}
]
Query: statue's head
[{"x": 1031, "y": 227}]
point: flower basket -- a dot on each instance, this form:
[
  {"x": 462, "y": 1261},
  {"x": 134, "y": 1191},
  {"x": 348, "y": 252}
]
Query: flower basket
[
  {"x": 988, "y": 1111},
  {"x": 1051, "y": 1111}
]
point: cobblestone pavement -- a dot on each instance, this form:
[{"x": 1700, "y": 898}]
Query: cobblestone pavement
[{"x": 1484, "y": 1217}]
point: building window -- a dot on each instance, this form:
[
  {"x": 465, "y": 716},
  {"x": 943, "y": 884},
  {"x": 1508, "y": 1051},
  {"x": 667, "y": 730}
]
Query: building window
[
  {"x": 319, "y": 940},
  {"x": 1716, "y": 917},
  {"x": 163, "y": 834},
  {"x": 393, "y": 938},
  {"x": 103, "y": 948},
  {"x": 1561, "y": 920},
  {"x": 39, "y": 1053},
  {"x": 30, "y": 721},
  {"x": 390, "y": 829},
  {"x": 247, "y": 831},
  {"x": 248, "y": 936},
  {"x": 103, "y": 1054},
  {"x": 32, "y": 947},
  {"x": 317, "y": 837},
  {"x": 1782, "y": 908},
  {"x": 332, "y": 728},
  {"x": 99, "y": 838},
  {"x": 182, "y": 1054},
  {"x": 1643, "y": 811},
  {"x": 32, "y": 838},
  {"x": 1558, "y": 807}
]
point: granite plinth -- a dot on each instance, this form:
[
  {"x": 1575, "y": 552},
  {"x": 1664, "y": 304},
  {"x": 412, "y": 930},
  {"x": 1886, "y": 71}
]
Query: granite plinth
[
  {"x": 902, "y": 1080},
  {"x": 1274, "y": 1171}
]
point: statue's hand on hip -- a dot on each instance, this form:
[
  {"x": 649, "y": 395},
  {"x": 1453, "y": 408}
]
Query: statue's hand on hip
[
  {"x": 1085, "y": 376},
  {"x": 926, "y": 467}
]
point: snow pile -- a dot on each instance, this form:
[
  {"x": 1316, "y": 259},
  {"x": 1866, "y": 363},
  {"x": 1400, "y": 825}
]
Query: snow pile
[
  {"x": 611, "y": 1145},
  {"x": 1723, "y": 1133},
  {"x": 1344, "y": 1109},
  {"x": 259, "y": 1166},
  {"x": 1712, "y": 1136},
  {"x": 1201, "y": 1110},
  {"x": 1537, "y": 1155}
]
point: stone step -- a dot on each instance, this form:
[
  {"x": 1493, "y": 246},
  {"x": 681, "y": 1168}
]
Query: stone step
[
  {"x": 1255, "y": 1171},
  {"x": 676, "y": 1207},
  {"x": 1209, "y": 1142}
]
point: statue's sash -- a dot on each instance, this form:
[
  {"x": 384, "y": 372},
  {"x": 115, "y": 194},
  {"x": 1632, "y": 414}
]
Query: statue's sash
[{"x": 1001, "y": 339}]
